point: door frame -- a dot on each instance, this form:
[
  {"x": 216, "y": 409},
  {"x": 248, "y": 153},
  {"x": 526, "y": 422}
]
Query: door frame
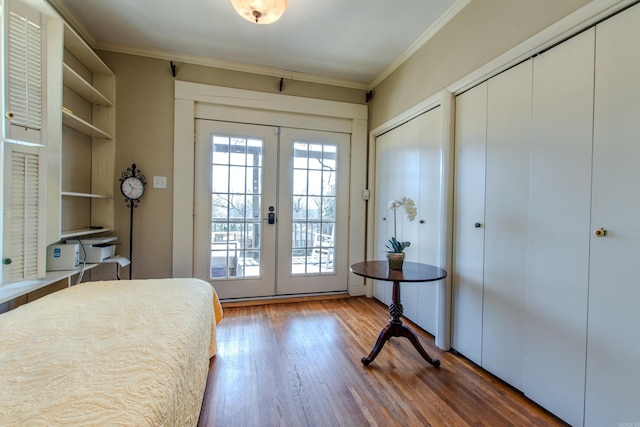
[
  {"x": 196, "y": 100},
  {"x": 445, "y": 100}
]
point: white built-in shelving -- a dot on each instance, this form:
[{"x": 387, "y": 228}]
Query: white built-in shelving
[
  {"x": 88, "y": 130},
  {"x": 17, "y": 289}
]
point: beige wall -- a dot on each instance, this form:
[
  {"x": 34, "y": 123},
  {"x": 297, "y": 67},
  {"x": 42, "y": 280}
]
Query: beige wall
[
  {"x": 482, "y": 31},
  {"x": 144, "y": 135},
  {"x": 144, "y": 97}
]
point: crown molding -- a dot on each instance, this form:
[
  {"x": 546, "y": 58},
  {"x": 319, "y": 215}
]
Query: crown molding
[
  {"x": 67, "y": 14},
  {"x": 580, "y": 20},
  {"x": 73, "y": 21},
  {"x": 421, "y": 41},
  {"x": 230, "y": 65}
]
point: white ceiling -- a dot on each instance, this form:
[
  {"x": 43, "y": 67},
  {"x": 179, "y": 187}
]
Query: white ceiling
[{"x": 353, "y": 43}]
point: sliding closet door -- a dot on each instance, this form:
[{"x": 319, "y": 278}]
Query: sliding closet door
[
  {"x": 386, "y": 157},
  {"x": 613, "y": 346},
  {"x": 468, "y": 271},
  {"x": 507, "y": 206},
  {"x": 403, "y": 180},
  {"x": 427, "y": 226},
  {"x": 408, "y": 164},
  {"x": 559, "y": 201}
]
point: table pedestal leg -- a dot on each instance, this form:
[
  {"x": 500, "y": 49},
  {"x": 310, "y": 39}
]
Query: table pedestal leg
[{"x": 395, "y": 328}]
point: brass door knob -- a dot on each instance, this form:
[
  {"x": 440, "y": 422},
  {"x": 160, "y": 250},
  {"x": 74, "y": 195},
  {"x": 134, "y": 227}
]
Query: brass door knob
[{"x": 600, "y": 232}]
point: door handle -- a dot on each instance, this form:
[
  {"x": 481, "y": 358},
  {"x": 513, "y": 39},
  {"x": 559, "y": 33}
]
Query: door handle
[
  {"x": 600, "y": 232},
  {"x": 271, "y": 216}
]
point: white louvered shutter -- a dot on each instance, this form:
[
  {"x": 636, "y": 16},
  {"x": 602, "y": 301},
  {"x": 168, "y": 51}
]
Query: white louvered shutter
[
  {"x": 23, "y": 201},
  {"x": 24, "y": 74}
]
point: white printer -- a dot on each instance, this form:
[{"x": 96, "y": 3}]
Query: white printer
[{"x": 95, "y": 250}]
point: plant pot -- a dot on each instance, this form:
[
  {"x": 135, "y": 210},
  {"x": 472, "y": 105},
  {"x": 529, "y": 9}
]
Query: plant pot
[{"x": 395, "y": 260}]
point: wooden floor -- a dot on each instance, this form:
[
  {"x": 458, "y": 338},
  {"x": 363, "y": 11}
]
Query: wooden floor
[{"x": 298, "y": 364}]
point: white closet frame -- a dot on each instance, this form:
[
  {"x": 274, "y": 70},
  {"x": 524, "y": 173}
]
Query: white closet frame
[{"x": 590, "y": 14}]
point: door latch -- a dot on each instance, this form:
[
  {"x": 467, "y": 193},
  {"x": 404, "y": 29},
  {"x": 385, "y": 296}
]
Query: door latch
[{"x": 271, "y": 217}]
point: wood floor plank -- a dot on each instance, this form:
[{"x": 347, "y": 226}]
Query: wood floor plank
[{"x": 298, "y": 364}]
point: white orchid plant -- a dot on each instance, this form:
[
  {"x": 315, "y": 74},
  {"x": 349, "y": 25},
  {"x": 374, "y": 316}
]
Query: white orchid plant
[{"x": 411, "y": 210}]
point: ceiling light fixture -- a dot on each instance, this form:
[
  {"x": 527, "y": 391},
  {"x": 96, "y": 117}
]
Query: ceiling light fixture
[{"x": 260, "y": 11}]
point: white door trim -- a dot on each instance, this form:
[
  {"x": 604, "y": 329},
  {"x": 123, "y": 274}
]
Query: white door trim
[
  {"x": 446, "y": 100},
  {"x": 188, "y": 96}
]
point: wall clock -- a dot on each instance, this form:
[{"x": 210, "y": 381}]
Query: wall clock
[
  {"x": 132, "y": 184},
  {"x": 132, "y": 188}
]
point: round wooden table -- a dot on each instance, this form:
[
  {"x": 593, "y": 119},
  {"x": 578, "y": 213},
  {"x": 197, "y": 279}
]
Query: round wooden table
[{"x": 411, "y": 272}]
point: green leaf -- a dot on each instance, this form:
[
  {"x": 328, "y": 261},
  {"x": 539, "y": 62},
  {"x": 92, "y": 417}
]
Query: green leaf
[{"x": 395, "y": 246}]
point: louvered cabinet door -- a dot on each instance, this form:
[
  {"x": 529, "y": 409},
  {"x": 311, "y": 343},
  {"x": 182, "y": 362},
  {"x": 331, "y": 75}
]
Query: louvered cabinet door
[
  {"x": 23, "y": 60},
  {"x": 23, "y": 249}
]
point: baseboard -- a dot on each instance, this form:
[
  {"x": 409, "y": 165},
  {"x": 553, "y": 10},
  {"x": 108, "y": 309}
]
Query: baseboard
[{"x": 282, "y": 300}]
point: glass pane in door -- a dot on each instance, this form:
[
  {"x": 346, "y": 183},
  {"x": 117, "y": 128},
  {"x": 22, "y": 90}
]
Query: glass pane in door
[
  {"x": 236, "y": 203},
  {"x": 314, "y": 208}
]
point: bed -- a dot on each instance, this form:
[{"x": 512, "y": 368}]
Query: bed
[{"x": 126, "y": 353}]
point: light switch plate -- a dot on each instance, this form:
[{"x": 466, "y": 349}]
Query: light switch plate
[{"x": 159, "y": 182}]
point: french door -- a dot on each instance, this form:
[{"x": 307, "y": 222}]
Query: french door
[{"x": 271, "y": 209}]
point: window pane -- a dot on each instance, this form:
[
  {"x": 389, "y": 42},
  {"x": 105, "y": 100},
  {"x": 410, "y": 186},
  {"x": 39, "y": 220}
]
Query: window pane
[
  {"x": 237, "y": 182},
  {"x": 220, "y": 178},
  {"x": 328, "y": 208},
  {"x": 299, "y": 237},
  {"x": 251, "y": 262},
  {"x": 299, "y": 207},
  {"x": 315, "y": 183},
  {"x": 253, "y": 208},
  {"x": 314, "y": 208},
  {"x": 328, "y": 184},
  {"x": 330, "y": 157},
  {"x": 254, "y": 180},
  {"x": 219, "y": 206},
  {"x": 300, "y": 155},
  {"x": 315, "y": 156},
  {"x": 238, "y": 151},
  {"x": 299, "y": 181},
  {"x": 220, "y": 150}
]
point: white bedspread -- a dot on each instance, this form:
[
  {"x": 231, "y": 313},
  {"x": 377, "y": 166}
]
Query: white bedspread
[{"x": 126, "y": 353}]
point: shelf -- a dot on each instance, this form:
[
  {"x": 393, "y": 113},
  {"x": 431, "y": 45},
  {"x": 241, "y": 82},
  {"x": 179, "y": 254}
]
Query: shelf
[
  {"x": 88, "y": 107},
  {"x": 83, "y": 88},
  {"x": 86, "y": 195},
  {"x": 17, "y": 289},
  {"x": 83, "y": 232},
  {"x": 79, "y": 49},
  {"x": 95, "y": 241},
  {"x": 82, "y": 126}
]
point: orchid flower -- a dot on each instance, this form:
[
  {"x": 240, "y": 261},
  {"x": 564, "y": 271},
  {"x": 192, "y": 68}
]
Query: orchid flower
[{"x": 411, "y": 210}]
